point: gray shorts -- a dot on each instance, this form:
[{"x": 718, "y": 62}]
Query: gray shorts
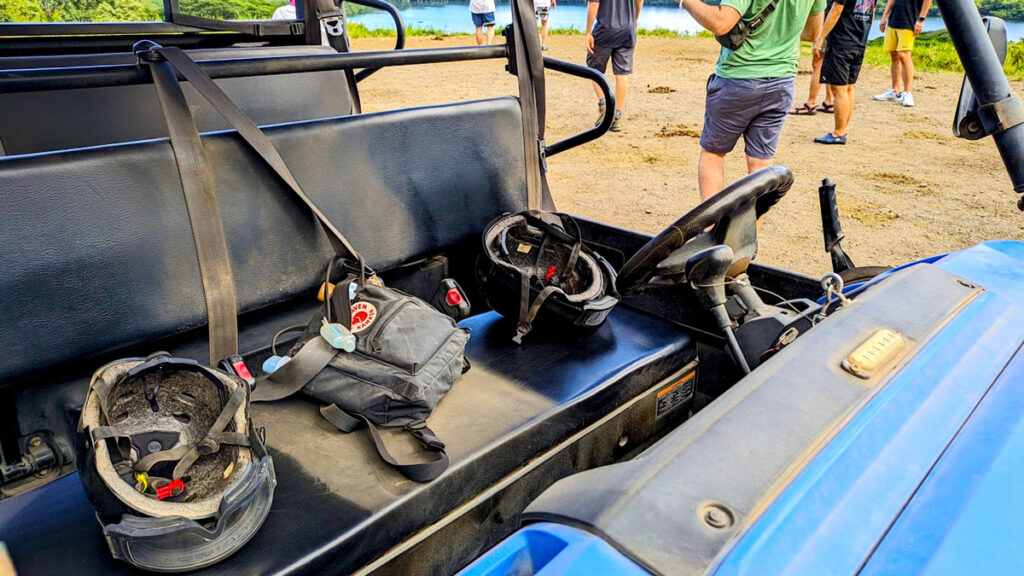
[
  {"x": 622, "y": 59},
  {"x": 755, "y": 108}
]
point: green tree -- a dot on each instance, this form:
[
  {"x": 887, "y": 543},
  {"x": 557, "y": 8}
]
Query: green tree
[{"x": 21, "y": 11}]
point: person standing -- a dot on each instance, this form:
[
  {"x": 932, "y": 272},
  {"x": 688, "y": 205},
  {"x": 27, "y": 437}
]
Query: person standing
[
  {"x": 846, "y": 27},
  {"x": 752, "y": 88},
  {"x": 542, "y": 8},
  {"x": 482, "y": 12},
  {"x": 901, "y": 22},
  {"x": 811, "y": 107},
  {"x": 611, "y": 33}
]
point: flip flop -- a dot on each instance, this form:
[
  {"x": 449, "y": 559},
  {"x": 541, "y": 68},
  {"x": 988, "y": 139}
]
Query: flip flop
[
  {"x": 804, "y": 110},
  {"x": 826, "y": 108}
]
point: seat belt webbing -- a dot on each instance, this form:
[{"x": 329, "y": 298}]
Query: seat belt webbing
[
  {"x": 530, "y": 74},
  {"x": 254, "y": 137},
  {"x": 203, "y": 212}
]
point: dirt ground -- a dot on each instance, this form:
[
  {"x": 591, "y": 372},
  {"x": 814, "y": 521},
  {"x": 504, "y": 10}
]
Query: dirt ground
[{"x": 907, "y": 188}]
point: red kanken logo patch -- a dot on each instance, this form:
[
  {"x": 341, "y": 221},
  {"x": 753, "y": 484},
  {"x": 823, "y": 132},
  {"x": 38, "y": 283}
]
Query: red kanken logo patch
[{"x": 363, "y": 314}]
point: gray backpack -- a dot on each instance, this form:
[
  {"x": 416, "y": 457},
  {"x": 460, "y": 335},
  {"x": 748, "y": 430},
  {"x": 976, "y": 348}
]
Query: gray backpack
[{"x": 406, "y": 357}]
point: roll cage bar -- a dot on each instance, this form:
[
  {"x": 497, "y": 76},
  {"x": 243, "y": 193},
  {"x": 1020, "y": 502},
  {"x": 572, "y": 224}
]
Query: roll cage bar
[
  {"x": 176, "y": 29},
  {"x": 968, "y": 33}
]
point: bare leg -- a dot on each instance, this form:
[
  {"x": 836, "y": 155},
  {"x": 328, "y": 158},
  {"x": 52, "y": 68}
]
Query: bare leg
[
  {"x": 598, "y": 91},
  {"x": 812, "y": 94},
  {"x": 908, "y": 71},
  {"x": 621, "y": 88},
  {"x": 544, "y": 33},
  {"x": 479, "y": 36},
  {"x": 710, "y": 173},
  {"x": 895, "y": 71},
  {"x": 755, "y": 164},
  {"x": 844, "y": 109},
  {"x": 490, "y": 34},
  {"x": 830, "y": 95}
]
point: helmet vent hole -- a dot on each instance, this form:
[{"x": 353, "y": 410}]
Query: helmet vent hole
[
  {"x": 182, "y": 417},
  {"x": 186, "y": 398},
  {"x": 122, "y": 415}
]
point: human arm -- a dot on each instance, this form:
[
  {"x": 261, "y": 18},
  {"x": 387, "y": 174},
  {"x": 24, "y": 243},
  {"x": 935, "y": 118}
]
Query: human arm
[
  {"x": 717, "y": 19},
  {"x": 591, "y": 17},
  {"x": 812, "y": 28},
  {"x": 639, "y": 5},
  {"x": 830, "y": 23},
  {"x": 919, "y": 25},
  {"x": 553, "y": 4},
  {"x": 885, "y": 15}
]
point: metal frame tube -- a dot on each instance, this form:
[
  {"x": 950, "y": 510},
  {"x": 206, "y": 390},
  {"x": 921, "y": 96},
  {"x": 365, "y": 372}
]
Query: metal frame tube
[
  {"x": 36, "y": 79},
  {"x": 609, "y": 96},
  {"x": 399, "y": 28},
  {"x": 986, "y": 77}
]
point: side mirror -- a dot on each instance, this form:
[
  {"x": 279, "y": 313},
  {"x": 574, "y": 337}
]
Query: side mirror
[{"x": 966, "y": 123}]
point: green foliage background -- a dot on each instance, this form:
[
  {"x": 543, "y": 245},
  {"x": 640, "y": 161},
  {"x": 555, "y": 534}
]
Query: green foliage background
[
  {"x": 130, "y": 10},
  {"x": 149, "y": 10}
]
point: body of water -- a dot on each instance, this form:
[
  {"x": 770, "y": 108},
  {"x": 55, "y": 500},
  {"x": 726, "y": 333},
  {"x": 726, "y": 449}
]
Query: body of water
[{"x": 455, "y": 18}]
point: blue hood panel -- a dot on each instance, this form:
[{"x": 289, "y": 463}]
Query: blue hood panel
[{"x": 926, "y": 478}]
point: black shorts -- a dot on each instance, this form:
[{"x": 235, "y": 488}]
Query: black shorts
[{"x": 841, "y": 66}]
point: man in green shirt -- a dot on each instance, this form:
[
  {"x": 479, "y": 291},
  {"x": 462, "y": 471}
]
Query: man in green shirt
[{"x": 751, "y": 91}]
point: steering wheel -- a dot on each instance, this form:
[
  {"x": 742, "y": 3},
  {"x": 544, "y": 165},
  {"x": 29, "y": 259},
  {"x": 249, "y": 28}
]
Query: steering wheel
[{"x": 733, "y": 212}]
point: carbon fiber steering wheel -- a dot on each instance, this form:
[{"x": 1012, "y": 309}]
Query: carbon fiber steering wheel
[{"x": 733, "y": 212}]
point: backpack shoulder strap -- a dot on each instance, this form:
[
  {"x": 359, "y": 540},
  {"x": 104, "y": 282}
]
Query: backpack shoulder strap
[
  {"x": 309, "y": 361},
  {"x": 760, "y": 18},
  {"x": 415, "y": 471}
]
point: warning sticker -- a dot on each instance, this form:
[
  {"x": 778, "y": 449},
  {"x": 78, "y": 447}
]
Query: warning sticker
[
  {"x": 675, "y": 395},
  {"x": 363, "y": 314},
  {"x": 524, "y": 248}
]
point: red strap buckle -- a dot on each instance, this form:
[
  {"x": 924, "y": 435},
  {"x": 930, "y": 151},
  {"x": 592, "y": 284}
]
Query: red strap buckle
[
  {"x": 170, "y": 490},
  {"x": 453, "y": 297},
  {"x": 551, "y": 272},
  {"x": 242, "y": 370}
]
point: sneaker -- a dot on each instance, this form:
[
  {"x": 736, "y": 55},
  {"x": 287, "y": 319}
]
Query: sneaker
[
  {"x": 830, "y": 139},
  {"x": 616, "y": 123},
  {"x": 601, "y": 108},
  {"x": 889, "y": 95},
  {"x": 907, "y": 99}
]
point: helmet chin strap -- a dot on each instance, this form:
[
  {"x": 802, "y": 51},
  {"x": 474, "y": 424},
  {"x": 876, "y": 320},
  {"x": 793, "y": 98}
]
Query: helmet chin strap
[{"x": 187, "y": 454}]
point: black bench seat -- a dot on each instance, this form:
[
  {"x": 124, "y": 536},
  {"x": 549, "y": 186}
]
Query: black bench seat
[
  {"x": 97, "y": 261},
  {"x": 337, "y": 507}
]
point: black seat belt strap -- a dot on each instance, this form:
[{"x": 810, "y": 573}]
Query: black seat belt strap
[
  {"x": 203, "y": 212},
  {"x": 530, "y": 74},
  {"x": 255, "y": 138}
]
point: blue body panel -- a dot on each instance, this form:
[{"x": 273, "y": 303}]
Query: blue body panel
[
  {"x": 926, "y": 477},
  {"x": 546, "y": 549},
  {"x": 835, "y": 512}
]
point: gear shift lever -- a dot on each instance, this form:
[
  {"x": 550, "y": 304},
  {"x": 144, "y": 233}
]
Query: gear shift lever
[{"x": 705, "y": 271}]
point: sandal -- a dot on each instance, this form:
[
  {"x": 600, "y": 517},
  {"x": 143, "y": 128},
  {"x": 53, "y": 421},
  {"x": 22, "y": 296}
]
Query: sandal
[
  {"x": 804, "y": 110},
  {"x": 826, "y": 108}
]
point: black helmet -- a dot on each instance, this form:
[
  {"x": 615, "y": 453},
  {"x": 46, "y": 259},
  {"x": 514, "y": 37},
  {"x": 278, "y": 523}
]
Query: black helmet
[
  {"x": 170, "y": 459},
  {"x": 531, "y": 270}
]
